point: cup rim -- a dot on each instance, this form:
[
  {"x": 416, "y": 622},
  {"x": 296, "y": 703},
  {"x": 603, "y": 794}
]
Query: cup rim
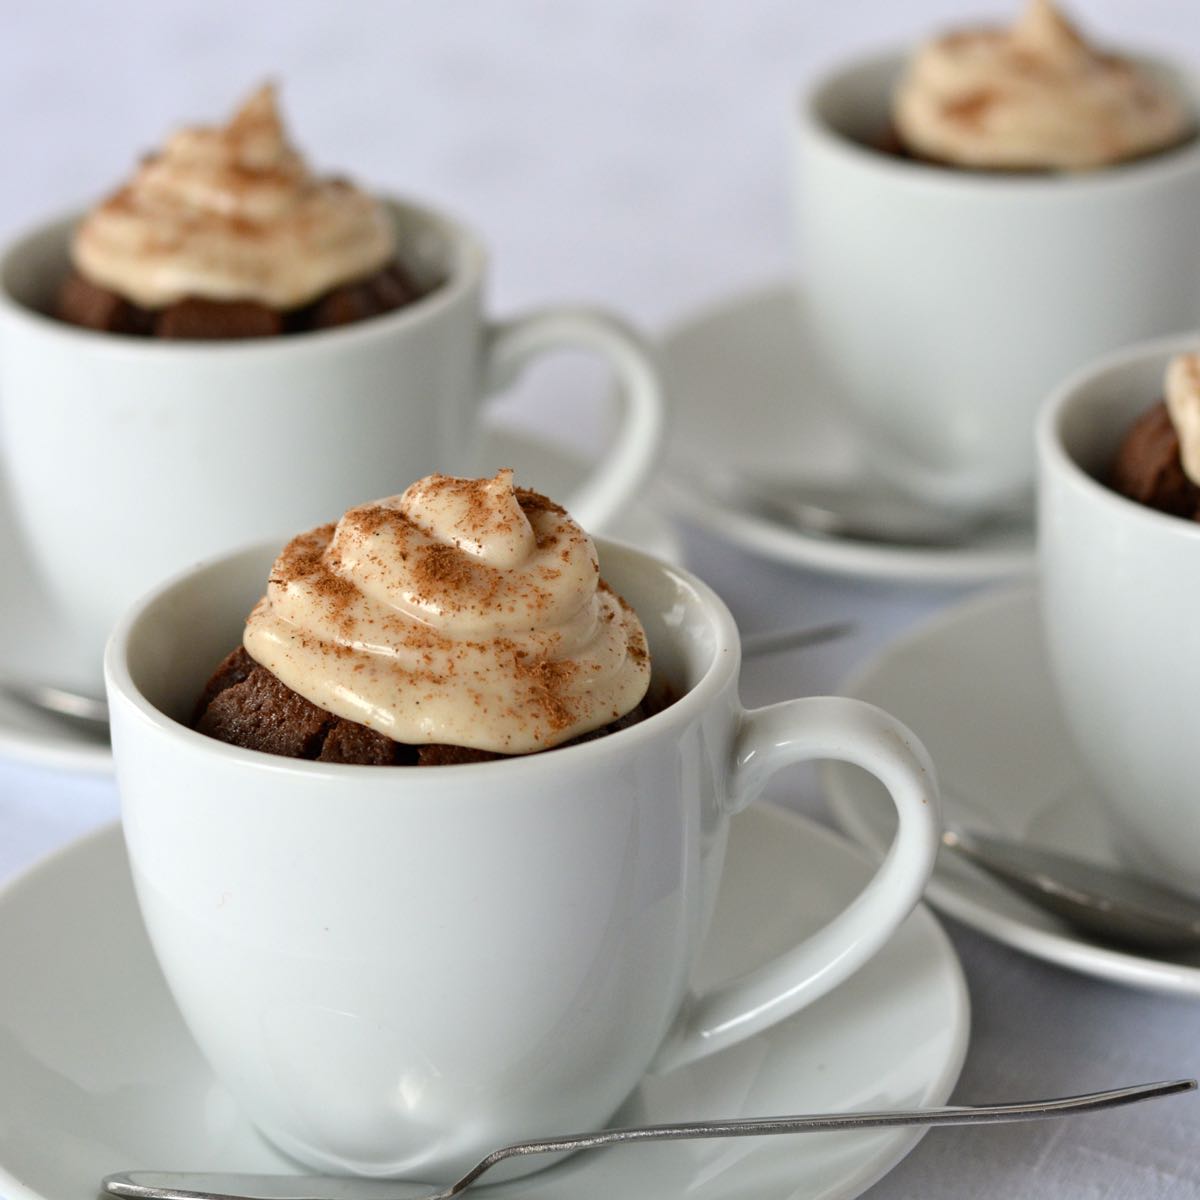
[
  {"x": 1139, "y": 172},
  {"x": 721, "y": 670},
  {"x": 1054, "y": 456},
  {"x": 470, "y": 265}
]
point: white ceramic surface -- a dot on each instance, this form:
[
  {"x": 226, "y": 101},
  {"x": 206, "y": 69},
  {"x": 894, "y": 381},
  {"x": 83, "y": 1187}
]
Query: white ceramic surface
[
  {"x": 550, "y": 907},
  {"x": 1119, "y": 582},
  {"x": 950, "y": 302},
  {"x": 98, "y": 1078},
  {"x": 747, "y": 391},
  {"x": 974, "y": 685},
  {"x": 695, "y": 82},
  {"x": 33, "y": 647},
  {"x": 130, "y": 458}
]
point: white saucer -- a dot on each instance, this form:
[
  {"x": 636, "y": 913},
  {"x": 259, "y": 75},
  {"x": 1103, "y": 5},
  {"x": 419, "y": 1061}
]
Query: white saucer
[
  {"x": 973, "y": 685},
  {"x": 746, "y": 392},
  {"x": 97, "y": 1073},
  {"x": 30, "y": 646}
]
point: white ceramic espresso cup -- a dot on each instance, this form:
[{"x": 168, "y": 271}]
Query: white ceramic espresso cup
[
  {"x": 397, "y": 969},
  {"x": 1119, "y": 588},
  {"x": 130, "y": 458},
  {"x": 948, "y": 303}
]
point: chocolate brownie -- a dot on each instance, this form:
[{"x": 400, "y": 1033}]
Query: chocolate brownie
[
  {"x": 81, "y": 302},
  {"x": 245, "y": 705},
  {"x": 1147, "y": 467}
]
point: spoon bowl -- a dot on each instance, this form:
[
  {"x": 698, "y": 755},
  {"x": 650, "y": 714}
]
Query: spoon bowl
[
  {"x": 1106, "y": 903},
  {"x": 86, "y": 712},
  {"x": 859, "y": 510}
]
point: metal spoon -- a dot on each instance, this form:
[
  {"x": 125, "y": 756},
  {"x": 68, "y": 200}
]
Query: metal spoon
[
  {"x": 85, "y": 711},
  {"x": 176, "y": 1185},
  {"x": 1108, "y": 903},
  {"x": 861, "y": 511},
  {"x": 777, "y": 641}
]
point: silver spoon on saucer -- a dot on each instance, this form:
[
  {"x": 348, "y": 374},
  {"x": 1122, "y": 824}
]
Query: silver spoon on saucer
[
  {"x": 1107, "y": 903},
  {"x": 175, "y": 1185},
  {"x": 867, "y": 511},
  {"x": 84, "y": 711}
]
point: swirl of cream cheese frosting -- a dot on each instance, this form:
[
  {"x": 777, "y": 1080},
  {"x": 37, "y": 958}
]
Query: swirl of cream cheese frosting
[
  {"x": 1182, "y": 395},
  {"x": 464, "y": 611},
  {"x": 232, "y": 213},
  {"x": 1033, "y": 97}
]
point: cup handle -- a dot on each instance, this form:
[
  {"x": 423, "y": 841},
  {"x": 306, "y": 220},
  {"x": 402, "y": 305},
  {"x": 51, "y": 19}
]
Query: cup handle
[
  {"x": 622, "y": 471},
  {"x": 771, "y": 738}
]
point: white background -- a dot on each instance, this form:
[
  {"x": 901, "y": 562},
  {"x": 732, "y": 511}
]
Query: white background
[
  {"x": 631, "y": 153},
  {"x": 628, "y": 151}
]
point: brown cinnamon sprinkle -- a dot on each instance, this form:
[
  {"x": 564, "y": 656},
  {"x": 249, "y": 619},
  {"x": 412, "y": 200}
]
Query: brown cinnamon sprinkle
[
  {"x": 544, "y": 695},
  {"x": 532, "y": 502},
  {"x": 480, "y": 513},
  {"x": 304, "y": 558},
  {"x": 303, "y": 555},
  {"x": 548, "y": 680},
  {"x": 973, "y": 107},
  {"x": 371, "y": 518},
  {"x": 438, "y": 568}
]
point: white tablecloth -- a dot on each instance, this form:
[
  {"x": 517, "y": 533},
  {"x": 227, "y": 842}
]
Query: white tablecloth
[{"x": 632, "y": 153}]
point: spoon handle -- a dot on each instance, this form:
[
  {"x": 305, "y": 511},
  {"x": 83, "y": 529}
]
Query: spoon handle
[
  {"x": 62, "y": 703},
  {"x": 151, "y": 1185},
  {"x": 954, "y": 1114},
  {"x": 776, "y": 641}
]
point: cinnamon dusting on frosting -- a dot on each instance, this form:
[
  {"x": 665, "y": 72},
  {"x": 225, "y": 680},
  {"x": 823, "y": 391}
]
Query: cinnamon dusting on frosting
[
  {"x": 232, "y": 213},
  {"x": 466, "y": 612},
  {"x": 1036, "y": 96}
]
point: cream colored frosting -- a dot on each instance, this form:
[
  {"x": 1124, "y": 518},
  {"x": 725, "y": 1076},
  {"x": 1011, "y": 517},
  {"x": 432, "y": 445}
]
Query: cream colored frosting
[
  {"x": 1032, "y": 97},
  {"x": 1183, "y": 405},
  {"x": 464, "y": 611},
  {"x": 232, "y": 213}
]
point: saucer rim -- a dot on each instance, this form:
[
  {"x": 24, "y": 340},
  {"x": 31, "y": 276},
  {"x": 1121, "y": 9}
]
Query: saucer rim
[
  {"x": 836, "y": 556},
  {"x": 880, "y": 1162},
  {"x": 945, "y": 891}
]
